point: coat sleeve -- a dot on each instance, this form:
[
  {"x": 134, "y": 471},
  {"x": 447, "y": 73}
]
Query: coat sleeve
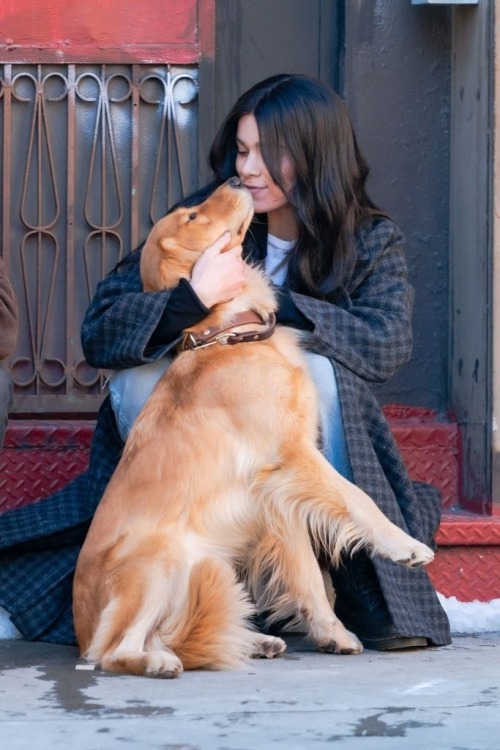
[
  {"x": 8, "y": 315},
  {"x": 121, "y": 320},
  {"x": 368, "y": 327}
]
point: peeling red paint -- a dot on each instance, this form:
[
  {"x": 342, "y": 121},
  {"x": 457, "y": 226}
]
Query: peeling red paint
[{"x": 71, "y": 31}]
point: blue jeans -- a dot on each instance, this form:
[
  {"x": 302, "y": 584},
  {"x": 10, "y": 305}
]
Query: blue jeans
[{"x": 129, "y": 390}]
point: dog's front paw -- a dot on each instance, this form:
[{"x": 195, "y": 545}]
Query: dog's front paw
[
  {"x": 403, "y": 549},
  {"x": 416, "y": 555}
]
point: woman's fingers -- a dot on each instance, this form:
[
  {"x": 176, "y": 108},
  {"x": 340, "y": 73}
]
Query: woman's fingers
[{"x": 218, "y": 276}]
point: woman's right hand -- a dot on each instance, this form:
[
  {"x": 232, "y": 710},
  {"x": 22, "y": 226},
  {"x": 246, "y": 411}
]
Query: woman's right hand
[{"x": 218, "y": 275}]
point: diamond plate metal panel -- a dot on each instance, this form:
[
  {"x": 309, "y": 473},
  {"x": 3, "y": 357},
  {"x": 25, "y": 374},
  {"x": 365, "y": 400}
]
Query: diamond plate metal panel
[
  {"x": 468, "y": 572},
  {"x": 33, "y": 474},
  {"x": 469, "y": 530},
  {"x": 40, "y": 458},
  {"x": 57, "y": 435},
  {"x": 430, "y": 452}
]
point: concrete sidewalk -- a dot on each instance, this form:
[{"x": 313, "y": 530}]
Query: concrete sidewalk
[{"x": 431, "y": 698}]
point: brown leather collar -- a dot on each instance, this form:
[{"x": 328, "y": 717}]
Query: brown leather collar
[{"x": 217, "y": 335}]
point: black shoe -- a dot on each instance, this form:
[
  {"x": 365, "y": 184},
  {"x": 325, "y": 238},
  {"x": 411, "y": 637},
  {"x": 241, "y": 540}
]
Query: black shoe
[{"x": 361, "y": 607}]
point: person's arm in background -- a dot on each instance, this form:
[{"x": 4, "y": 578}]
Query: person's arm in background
[{"x": 8, "y": 314}]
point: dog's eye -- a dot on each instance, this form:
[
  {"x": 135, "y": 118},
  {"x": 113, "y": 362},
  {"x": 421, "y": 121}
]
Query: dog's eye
[{"x": 192, "y": 216}]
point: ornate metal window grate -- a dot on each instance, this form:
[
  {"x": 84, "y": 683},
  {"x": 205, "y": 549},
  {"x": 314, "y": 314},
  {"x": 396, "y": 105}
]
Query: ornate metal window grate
[{"x": 92, "y": 155}]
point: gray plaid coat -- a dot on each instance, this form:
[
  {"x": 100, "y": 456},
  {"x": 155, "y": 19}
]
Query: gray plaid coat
[{"x": 365, "y": 330}]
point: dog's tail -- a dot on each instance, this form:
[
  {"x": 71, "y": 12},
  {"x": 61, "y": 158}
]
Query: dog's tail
[{"x": 213, "y": 632}]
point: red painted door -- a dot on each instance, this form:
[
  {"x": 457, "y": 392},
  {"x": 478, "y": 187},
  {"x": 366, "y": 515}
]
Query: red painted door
[{"x": 106, "y": 31}]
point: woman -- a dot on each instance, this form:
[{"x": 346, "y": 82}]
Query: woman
[{"x": 338, "y": 266}]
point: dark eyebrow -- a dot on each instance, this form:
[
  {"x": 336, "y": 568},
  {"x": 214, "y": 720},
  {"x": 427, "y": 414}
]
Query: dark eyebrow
[{"x": 242, "y": 143}]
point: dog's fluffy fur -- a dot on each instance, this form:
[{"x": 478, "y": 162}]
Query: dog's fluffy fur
[{"x": 220, "y": 491}]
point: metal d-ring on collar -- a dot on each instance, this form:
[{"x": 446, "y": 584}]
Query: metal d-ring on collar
[{"x": 217, "y": 335}]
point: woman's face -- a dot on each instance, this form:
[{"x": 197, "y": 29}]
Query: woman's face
[{"x": 267, "y": 196}]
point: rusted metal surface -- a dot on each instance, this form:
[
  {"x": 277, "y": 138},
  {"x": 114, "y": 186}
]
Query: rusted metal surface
[
  {"x": 67, "y": 31},
  {"x": 92, "y": 156}
]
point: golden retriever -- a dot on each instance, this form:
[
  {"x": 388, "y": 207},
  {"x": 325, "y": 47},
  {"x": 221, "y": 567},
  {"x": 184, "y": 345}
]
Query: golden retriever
[{"x": 221, "y": 489}]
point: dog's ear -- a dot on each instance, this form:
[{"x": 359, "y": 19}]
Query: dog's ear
[
  {"x": 168, "y": 243},
  {"x": 159, "y": 269},
  {"x": 164, "y": 263}
]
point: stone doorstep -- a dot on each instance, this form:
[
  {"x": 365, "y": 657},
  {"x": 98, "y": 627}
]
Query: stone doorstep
[{"x": 40, "y": 457}]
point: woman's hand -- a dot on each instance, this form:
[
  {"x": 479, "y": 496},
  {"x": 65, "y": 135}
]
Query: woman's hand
[{"x": 218, "y": 276}]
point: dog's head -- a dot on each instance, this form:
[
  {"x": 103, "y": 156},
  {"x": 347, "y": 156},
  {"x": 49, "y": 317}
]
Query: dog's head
[{"x": 176, "y": 242}]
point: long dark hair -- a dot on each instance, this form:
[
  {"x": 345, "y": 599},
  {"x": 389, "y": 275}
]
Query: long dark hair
[{"x": 310, "y": 121}]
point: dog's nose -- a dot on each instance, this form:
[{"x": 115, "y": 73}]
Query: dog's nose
[{"x": 234, "y": 182}]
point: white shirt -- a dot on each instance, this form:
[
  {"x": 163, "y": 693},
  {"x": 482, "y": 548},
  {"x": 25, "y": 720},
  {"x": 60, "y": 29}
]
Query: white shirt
[{"x": 276, "y": 263}]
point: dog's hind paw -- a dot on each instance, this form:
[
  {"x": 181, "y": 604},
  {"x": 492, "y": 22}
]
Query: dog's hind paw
[
  {"x": 346, "y": 645},
  {"x": 267, "y": 646},
  {"x": 156, "y": 663},
  {"x": 162, "y": 664},
  {"x": 331, "y": 637}
]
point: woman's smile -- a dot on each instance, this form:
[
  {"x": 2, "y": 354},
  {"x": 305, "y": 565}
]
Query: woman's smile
[{"x": 268, "y": 197}]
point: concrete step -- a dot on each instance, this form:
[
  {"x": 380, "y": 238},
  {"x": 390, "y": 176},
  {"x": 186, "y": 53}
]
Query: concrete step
[{"x": 40, "y": 457}]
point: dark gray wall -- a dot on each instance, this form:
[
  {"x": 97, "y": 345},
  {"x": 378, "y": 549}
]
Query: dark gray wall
[
  {"x": 258, "y": 38},
  {"x": 391, "y": 61},
  {"x": 397, "y": 85}
]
